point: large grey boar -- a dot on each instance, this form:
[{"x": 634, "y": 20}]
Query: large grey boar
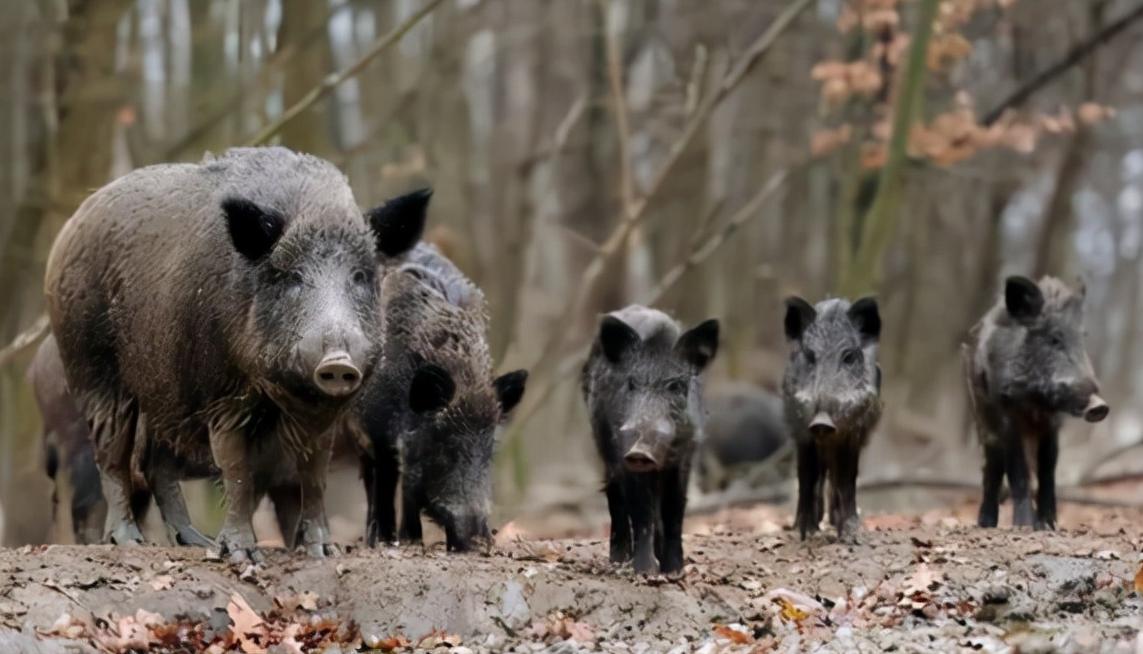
[
  {"x": 832, "y": 394},
  {"x": 427, "y": 419},
  {"x": 69, "y": 458},
  {"x": 218, "y": 317},
  {"x": 643, "y": 390},
  {"x": 1026, "y": 366}
]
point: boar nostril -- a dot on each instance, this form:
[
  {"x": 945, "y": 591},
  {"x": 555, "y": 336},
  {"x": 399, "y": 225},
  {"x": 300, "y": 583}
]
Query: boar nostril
[
  {"x": 640, "y": 461},
  {"x": 336, "y": 375},
  {"x": 822, "y": 425},
  {"x": 1096, "y": 409}
]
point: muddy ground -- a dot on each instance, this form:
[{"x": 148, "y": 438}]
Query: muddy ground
[{"x": 921, "y": 583}]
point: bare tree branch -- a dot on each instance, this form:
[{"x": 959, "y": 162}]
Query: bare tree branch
[
  {"x": 25, "y": 339},
  {"x": 334, "y": 80},
  {"x": 619, "y": 107},
  {"x": 1073, "y": 57}
]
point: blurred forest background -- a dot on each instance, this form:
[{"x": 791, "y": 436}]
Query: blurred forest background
[{"x": 709, "y": 156}]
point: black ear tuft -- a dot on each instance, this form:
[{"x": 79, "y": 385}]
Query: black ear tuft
[
  {"x": 1023, "y": 297},
  {"x": 864, "y": 315},
  {"x": 699, "y": 345},
  {"x": 432, "y": 389},
  {"x": 510, "y": 389},
  {"x": 399, "y": 223},
  {"x": 254, "y": 230},
  {"x": 799, "y": 315},
  {"x": 617, "y": 338}
]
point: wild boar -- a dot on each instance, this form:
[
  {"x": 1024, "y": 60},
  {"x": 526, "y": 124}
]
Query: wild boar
[
  {"x": 643, "y": 387},
  {"x": 1026, "y": 367},
  {"x": 220, "y": 317}
]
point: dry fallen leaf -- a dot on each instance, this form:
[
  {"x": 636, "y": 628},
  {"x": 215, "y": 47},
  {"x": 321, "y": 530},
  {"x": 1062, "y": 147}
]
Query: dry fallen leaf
[
  {"x": 247, "y": 624},
  {"x": 1139, "y": 581},
  {"x": 923, "y": 580},
  {"x": 733, "y": 635}
]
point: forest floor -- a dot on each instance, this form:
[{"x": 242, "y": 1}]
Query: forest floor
[{"x": 916, "y": 583}]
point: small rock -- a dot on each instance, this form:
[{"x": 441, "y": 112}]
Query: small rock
[{"x": 996, "y": 594}]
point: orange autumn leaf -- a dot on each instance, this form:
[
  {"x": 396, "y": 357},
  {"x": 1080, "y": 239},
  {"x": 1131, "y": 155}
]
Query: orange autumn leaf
[
  {"x": 733, "y": 635},
  {"x": 1139, "y": 581}
]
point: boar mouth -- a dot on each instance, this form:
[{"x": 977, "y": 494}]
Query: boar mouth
[{"x": 641, "y": 458}]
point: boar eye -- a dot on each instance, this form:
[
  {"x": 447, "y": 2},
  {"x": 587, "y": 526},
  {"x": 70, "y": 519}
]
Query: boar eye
[
  {"x": 810, "y": 358},
  {"x": 676, "y": 386},
  {"x": 294, "y": 279},
  {"x": 630, "y": 383},
  {"x": 360, "y": 277},
  {"x": 851, "y": 357}
]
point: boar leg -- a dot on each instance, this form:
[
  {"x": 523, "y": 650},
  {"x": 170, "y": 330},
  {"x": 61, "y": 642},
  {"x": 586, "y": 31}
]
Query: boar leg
[
  {"x": 287, "y": 501},
  {"x": 384, "y": 472},
  {"x": 638, "y": 489},
  {"x": 410, "y": 514},
  {"x": 1018, "y": 481},
  {"x": 1047, "y": 454},
  {"x": 236, "y": 537},
  {"x": 808, "y": 515},
  {"x": 674, "y": 505},
  {"x": 313, "y": 528},
  {"x": 845, "y": 491},
  {"x": 620, "y": 522},
  {"x": 173, "y": 507},
  {"x": 994, "y": 464},
  {"x": 113, "y": 432}
]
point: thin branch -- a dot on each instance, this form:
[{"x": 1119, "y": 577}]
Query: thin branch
[
  {"x": 334, "y": 80},
  {"x": 25, "y": 340},
  {"x": 612, "y": 246},
  {"x": 619, "y": 108},
  {"x": 1073, "y": 57}
]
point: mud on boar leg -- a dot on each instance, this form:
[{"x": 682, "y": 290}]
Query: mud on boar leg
[
  {"x": 1018, "y": 482},
  {"x": 674, "y": 506},
  {"x": 313, "y": 528},
  {"x": 1047, "y": 454},
  {"x": 164, "y": 482},
  {"x": 620, "y": 522},
  {"x": 236, "y": 538},
  {"x": 808, "y": 514},
  {"x": 641, "y": 505},
  {"x": 994, "y": 465}
]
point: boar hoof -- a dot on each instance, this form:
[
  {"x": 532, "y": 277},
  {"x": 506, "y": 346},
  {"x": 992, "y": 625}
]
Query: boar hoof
[
  {"x": 315, "y": 540},
  {"x": 1022, "y": 516},
  {"x": 1044, "y": 525},
  {"x": 238, "y": 546},
  {"x": 190, "y": 537},
  {"x": 847, "y": 532},
  {"x": 125, "y": 533}
]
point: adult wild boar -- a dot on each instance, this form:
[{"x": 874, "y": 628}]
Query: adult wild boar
[
  {"x": 832, "y": 395},
  {"x": 746, "y": 438},
  {"x": 69, "y": 458},
  {"x": 428, "y": 417},
  {"x": 219, "y": 316},
  {"x": 1026, "y": 366},
  {"x": 643, "y": 390}
]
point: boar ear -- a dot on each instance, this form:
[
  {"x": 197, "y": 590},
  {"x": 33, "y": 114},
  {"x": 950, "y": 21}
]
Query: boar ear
[
  {"x": 699, "y": 345},
  {"x": 510, "y": 389},
  {"x": 432, "y": 389},
  {"x": 1023, "y": 297},
  {"x": 399, "y": 223},
  {"x": 253, "y": 230},
  {"x": 617, "y": 338},
  {"x": 864, "y": 315},
  {"x": 799, "y": 315}
]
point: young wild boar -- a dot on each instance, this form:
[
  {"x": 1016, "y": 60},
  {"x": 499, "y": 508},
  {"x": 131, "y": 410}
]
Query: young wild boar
[
  {"x": 69, "y": 458},
  {"x": 746, "y": 439},
  {"x": 643, "y": 390},
  {"x": 1026, "y": 365},
  {"x": 219, "y": 317},
  {"x": 429, "y": 415},
  {"x": 832, "y": 395}
]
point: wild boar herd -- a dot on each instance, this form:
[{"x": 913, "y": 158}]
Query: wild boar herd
[{"x": 238, "y": 318}]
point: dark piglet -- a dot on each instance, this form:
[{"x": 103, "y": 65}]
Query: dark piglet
[
  {"x": 1027, "y": 367},
  {"x": 218, "y": 318},
  {"x": 427, "y": 419},
  {"x": 745, "y": 429},
  {"x": 643, "y": 391},
  {"x": 832, "y": 395},
  {"x": 69, "y": 458}
]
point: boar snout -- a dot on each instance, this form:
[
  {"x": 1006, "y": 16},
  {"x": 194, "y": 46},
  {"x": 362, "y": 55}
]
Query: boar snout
[
  {"x": 1096, "y": 409},
  {"x": 336, "y": 376},
  {"x": 650, "y": 448},
  {"x": 465, "y": 533},
  {"x": 822, "y": 424}
]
